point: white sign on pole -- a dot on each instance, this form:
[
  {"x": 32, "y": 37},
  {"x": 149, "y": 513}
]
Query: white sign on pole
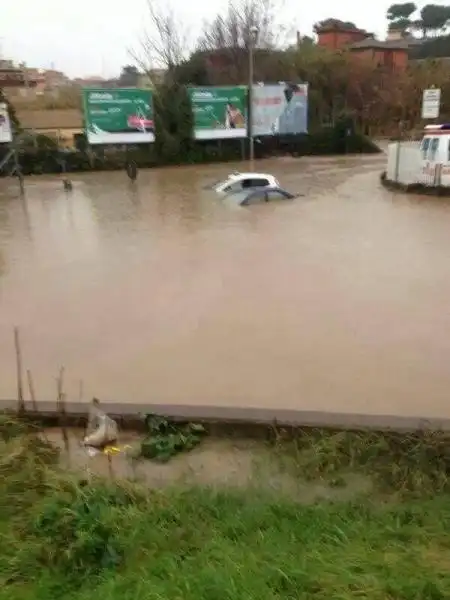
[
  {"x": 431, "y": 103},
  {"x": 5, "y": 125}
]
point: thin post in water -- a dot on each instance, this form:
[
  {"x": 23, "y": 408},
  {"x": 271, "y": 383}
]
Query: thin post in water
[
  {"x": 31, "y": 389},
  {"x": 110, "y": 466},
  {"x": 61, "y": 408},
  {"x": 20, "y": 400}
]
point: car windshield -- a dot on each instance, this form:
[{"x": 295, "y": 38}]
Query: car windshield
[{"x": 214, "y": 184}]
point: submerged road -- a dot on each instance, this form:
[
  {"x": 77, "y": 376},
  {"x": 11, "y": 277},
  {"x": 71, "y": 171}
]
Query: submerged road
[{"x": 158, "y": 293}]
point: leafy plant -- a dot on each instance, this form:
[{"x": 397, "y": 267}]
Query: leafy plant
[{"x": 166, "y": 439}]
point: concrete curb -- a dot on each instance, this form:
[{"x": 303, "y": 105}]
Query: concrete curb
[
  {"x": 129, "y": 416},
  {"x": 414, "y": 188}
]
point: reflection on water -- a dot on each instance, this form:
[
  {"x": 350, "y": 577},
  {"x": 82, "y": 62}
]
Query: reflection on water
[{"x": 158, "y": 292}]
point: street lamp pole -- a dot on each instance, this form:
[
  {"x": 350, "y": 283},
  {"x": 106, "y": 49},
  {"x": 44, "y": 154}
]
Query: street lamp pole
[{"x": 252, "y": 40}]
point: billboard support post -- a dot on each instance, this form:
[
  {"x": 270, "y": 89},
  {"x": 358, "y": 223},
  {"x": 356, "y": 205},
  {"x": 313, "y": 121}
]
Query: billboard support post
[{"x": 18, "y": 172}]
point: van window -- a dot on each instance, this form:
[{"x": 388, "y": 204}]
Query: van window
[
  {"x": 432, "y": 150},
  {"x": 424, "y": 147}
]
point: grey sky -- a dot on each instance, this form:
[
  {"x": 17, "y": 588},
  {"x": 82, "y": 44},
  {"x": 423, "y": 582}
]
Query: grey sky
[{"x": 91, "y": 37}]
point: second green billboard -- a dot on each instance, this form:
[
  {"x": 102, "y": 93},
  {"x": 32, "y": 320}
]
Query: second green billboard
[{"x": 219, "y": 112}]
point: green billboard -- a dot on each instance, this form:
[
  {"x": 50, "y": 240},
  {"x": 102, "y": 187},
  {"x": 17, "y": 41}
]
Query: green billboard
[
  {"x": 118, "y": 116},
  {"x": 219, "y": 112}
]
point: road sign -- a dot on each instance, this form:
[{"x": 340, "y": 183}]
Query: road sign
[{"x": 431, "y": 103}]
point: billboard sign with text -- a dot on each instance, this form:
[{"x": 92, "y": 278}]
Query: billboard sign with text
[
  {"x": 219, "y": 112},
  {"x": 118, "y": 116}
]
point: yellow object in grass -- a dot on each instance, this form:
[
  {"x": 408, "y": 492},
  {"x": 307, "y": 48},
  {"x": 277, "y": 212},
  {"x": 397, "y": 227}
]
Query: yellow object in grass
[{"x": 110, "y": 450}]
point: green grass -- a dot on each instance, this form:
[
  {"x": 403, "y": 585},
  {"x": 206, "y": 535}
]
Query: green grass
[
  {"x": 63, "y": 540},
  {"x": 404, "y": 463}
]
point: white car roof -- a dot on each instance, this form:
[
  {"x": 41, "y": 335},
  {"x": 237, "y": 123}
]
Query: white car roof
[{"x": 237, "y": 176}]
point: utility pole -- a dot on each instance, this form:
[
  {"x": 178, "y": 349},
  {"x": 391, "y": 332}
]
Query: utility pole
[{"x": 251, "y": 43}]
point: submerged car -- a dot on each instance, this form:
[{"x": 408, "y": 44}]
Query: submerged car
[
  {"x": 243, "y": 189},
  {"x": 256, "y": 196},
  {"x": 235, "y": 182}
]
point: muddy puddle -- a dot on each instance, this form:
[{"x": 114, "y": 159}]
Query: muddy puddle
[{"x": 215, "y": 462}]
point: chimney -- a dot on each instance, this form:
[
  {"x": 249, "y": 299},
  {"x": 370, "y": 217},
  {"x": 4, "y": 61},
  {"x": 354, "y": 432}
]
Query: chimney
[
  {"x": 299, "y": 38},
  {"x": 395, "y": 34}
]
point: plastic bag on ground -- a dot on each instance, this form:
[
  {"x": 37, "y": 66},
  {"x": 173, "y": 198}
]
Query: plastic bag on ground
[{"x": 103, "y": 429}]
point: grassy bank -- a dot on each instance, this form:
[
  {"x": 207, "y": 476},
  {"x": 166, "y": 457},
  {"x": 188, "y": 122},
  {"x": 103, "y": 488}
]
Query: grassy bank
[{"x": 62, "y": 538}]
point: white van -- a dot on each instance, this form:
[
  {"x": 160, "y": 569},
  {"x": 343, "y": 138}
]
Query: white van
[{"x": 435, "y": 154}]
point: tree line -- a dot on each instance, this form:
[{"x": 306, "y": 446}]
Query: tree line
[
  {"x": 377, "y": 100},
  {"x": 429, "y": 21}
]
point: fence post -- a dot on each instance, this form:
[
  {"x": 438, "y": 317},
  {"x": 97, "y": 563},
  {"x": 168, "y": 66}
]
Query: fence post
[{"x": 397, "y": 161}]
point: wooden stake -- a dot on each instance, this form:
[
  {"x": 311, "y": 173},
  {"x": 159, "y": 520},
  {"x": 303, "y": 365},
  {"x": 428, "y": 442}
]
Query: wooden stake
[
  {"x": 110, "y": 466},
  {"x": 61, "y": 408},
  {"x": 80, "y": 398},
  {"x": 31, "y": 388},
  {"x": 20, "y": 400}
]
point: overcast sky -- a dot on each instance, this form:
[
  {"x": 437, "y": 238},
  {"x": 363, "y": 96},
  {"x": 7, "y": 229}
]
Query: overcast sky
[{"x": 92, "y": 37}]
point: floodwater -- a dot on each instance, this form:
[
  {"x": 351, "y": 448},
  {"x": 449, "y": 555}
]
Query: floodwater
[{"x": 336, "y": 301}]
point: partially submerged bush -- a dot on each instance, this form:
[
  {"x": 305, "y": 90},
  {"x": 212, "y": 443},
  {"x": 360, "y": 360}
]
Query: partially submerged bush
[
  {"x": 11, "y": 426},
  {"x": 166, "y": 439},
  {"x": 407, "y": 462},
  {"x": 24, "y": 464}
]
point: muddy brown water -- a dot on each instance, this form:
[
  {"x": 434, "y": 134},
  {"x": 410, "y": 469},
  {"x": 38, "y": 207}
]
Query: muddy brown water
[
  {"x": 238, "y": 463},
  {"x": 336, "y": 301}
]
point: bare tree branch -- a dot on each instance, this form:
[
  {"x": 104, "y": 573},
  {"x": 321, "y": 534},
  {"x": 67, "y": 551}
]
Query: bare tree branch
[
  {"x": 164, "y": 44},
  {"x": 233, "y": 28}
]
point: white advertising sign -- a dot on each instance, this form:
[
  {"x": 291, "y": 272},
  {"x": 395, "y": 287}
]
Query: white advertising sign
[
  {"x": 280, "y": 109},
  {"x": 5, "y": 125},
  {"x": 431, "y": 103}
]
